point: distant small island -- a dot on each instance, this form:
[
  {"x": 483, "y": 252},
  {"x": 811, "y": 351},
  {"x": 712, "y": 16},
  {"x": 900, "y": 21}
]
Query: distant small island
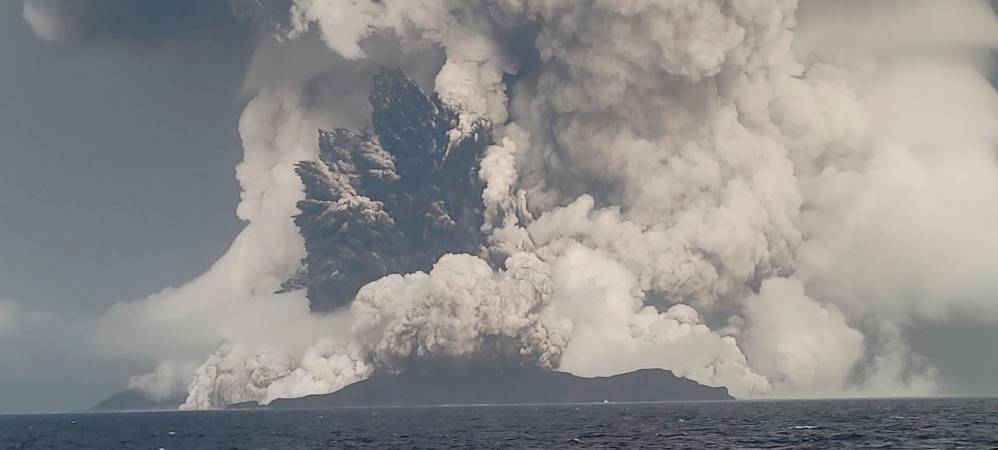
[
  {"x": 470, "y": 385},
  {"x": 135, "y": 400}
]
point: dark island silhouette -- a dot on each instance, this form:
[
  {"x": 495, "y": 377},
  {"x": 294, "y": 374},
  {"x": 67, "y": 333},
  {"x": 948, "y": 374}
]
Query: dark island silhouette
[
  {"x": 471, "y": 385},
  {"x": 504, "y": 385}
]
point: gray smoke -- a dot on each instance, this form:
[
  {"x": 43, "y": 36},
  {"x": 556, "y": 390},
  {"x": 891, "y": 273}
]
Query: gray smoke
[{"x": 390, "y": 202}]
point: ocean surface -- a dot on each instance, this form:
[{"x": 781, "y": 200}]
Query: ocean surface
[{"x": 891, "y": 424}]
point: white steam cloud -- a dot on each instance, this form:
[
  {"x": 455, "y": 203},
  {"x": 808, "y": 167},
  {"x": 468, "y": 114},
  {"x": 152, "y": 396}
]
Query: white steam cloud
[
  {"x": 758, "y": 194},
  {"x": 450, "y": 311}
]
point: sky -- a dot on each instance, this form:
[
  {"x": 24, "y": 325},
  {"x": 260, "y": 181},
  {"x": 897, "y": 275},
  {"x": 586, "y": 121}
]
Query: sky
[
  {"x": 90, "y": 134},
  {"x": 147, "y": 185},
  {"x": 118, "y": 160}
]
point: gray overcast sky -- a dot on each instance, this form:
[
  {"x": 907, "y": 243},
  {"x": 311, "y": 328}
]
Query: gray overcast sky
[
  {"x": 116, "y": 163},
  {"x": 116, "y": 180}
]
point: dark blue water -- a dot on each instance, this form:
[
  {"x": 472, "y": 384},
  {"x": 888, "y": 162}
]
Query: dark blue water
[{"x": 907, "y": 423}]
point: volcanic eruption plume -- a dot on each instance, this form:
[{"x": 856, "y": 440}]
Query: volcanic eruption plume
[{"x": 763, "y": 195}]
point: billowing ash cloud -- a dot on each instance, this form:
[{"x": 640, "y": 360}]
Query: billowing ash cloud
[
  {"x": 461, "y": 308},
  {"x": 736, "y": 191},
  {"x": 231, "y": 376},
  {"x": 389, "y": 202}
]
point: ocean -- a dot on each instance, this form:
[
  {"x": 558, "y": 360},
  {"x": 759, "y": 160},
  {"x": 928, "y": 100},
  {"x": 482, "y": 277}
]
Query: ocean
[{"x": 871, "y": 423}]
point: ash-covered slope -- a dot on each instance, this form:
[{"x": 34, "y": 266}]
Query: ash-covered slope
[
  {"x": 484, "y": 384},
  {"x": 391, "y": 201},
  {"x": 135, "y": 400}
]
